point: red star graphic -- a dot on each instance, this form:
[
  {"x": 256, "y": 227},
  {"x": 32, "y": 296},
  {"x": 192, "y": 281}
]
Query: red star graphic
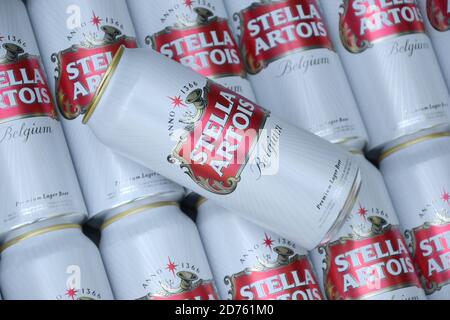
[
  {"x": 177, "y": 102},
  {"x": 362, "y": 212},
  {"x": 268, "y": 242},
  {"x": 171, "y": 266},
  {"x": 188, "y": 4},
  {"x": 446, "y": 197},
  {"x": 96, "y": 21},
  {"x": 71, "y": 293}
]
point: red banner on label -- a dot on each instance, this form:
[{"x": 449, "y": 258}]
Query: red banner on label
[
  {"x": 201, "y": 291},
  {"x": 362, "y": 23},
  {"x": 438, "y": 12}
]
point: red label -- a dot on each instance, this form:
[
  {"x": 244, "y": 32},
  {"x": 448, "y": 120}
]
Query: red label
[
  {"x": 362, "y": 268},
  {"x": 80, "y": 71},
  {"x": 219, "y": 137},
  {"x": 432, "y": 255},
  {"x": 292, "y": 281},
  {"x": 23, "y": 89},
  {"x": 208, "y": 49},
  {"x": 438, "y": 12},
  {"x": 202, "y": 290},
  {"x": 364, "y": 22},
  {"x": 273, "y": 29}
]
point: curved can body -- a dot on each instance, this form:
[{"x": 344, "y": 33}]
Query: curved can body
[
  {"x": 391, "y": 65},
  {"x": 195, "y": 34},
  {"x": 369, "y": 258},
  {"x": 55, "y": 262},
  {"x": 154, "y": 252},
  {"x": 294, "y": 68},
  {"x": 417, "y": 174},
  {"x": 37, "y": 177},
  {"x": 78, "y": 39},
  {"x": 224, "y": 147},
  {"x": 250, "y": 263}
]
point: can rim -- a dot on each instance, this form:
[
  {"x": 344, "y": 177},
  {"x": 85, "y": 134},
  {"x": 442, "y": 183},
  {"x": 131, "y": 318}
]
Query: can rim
[
  {"x": 36, "y": 233},
  {"x": 137, "y": 210},
  {"x": 103, "y": 84},
  {"x": 408, "y": 144}
]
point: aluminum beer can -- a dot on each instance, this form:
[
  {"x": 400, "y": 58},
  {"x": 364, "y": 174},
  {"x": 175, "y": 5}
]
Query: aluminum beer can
[
  {"x": 417, "y": 174},
  {"x": 391, "y": 66},
  {"x": 437, "y": 22},
  {"x": 154, "y": 252},
  {"x": 294, "y": 68},
  {"x": 78, "y": 39},
  {"x": 52, "y": 262},
  {"x": 37, "y": 177},
  {"x": 195, "y": 34},
  {"x": 224, "y": 147},
  {"x": 369, "y": 258},
  {"x": 250, "y": 263}
]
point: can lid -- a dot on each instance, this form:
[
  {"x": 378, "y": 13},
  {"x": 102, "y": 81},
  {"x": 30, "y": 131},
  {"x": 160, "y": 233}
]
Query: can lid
[
  {"x": 36, "y": 233},
  {"x": 408, "y": 144},
  {"x": 137, "y": 210},
  {"x": 103, "y": 84}
]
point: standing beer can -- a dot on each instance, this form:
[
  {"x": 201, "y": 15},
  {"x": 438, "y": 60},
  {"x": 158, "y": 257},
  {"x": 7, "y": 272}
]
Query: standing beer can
[
  {"x": 78, "y": 39},
  {"x": 37, "y": 177},
  {"x": 417, "y": 174},
  {"x": 154, "y": 252},
  {"x": 294, "y": 68},
  {"x": 224, "y": 147},
  {"x": 52, "y": 262},
  {"x": 195, "y": 34},
  {"x": 369, "y": 258},
  {"x": 391, "y": 65},
  {"x": 250, "y": 263},
  {"x": 437, "y": 23}
]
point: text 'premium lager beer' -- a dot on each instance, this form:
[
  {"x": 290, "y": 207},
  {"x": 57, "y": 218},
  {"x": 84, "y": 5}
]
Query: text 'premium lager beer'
[
  {"x": 224, "y": 147},
  {"x": 250, "y": 263},
  {"x": 417, "y": 174},
  {"x": 195, "y": 34},
  {"x": 391, "y": 65},
  {"x": 154, "y": 252},
  {"x": 37, "y": 178},
  {"x": 294, "y": 68},
  {"x": 369, "y": 258},
  {"x": 78, "y": 39}
]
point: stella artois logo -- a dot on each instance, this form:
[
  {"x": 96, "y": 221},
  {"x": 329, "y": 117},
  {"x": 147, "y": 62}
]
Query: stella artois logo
[
  {"x": 205, "y": 45},
  {"x": 221, "y": 129},
  {"x": 365, "y": 22},
  {"x": 271, "y": 29},
  {"x": 81, "y": 67},
  {"x": 23, "y": 88},
  {"x": 177, "y": 284},
  {"x": 438, "y": 12},
  {"x": 373, "y": 260}
]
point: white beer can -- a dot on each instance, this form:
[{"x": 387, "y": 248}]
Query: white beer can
[
  {"x": 437, "y": 22},
  {"x": 224, "y": 147},
  {"x": 78, "y": 39},
  {"x": 391, "y": 66},
  {"x": 154, "y": 252},
  {"x": 417, "y": 174},
  {"x": 195, "y": 34},
  {"x": 369, "y": 258},
  {"x": 37, "y": 177},
  {"x": 251, "y": 263},
  {"x": 294, "y": 68},
  {"x": 52, "y": 262}
]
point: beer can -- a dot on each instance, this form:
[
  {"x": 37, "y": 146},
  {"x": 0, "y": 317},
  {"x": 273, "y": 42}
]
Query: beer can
[
  {"x": 369, "y": 258},
  {"x": 154, "y": 252},
  {"x": 417, "y": 174},
  {"x": 391, "y": 66},
  {"x": 52, "y": 262},
  {"x": 251, "y": 263},
  {"x": 437, "y": 22},
  {"x": 225, "y": 147},
  {"x": 78, "y": 39},
  {"x": 294, "y": 68},
  {"x": 37, "y": 177},
  {"x": 195, "y": 34}
]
